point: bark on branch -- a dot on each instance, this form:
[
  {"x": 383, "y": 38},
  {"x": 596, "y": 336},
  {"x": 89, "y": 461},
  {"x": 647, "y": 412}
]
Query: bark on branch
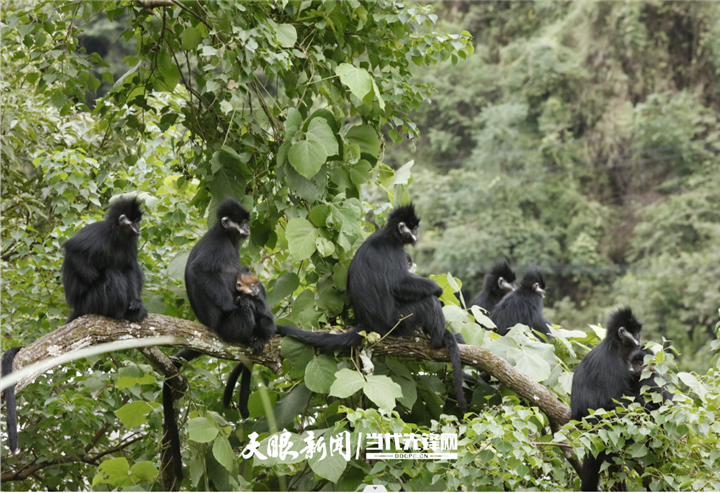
[{"x": 91, "y": 330}]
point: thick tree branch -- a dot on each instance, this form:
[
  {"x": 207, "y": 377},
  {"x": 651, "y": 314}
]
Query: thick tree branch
[{"x": 91, "y": 330}]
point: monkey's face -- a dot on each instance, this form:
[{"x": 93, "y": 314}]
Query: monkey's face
[
  {"x": 242, "y": 227},
  {"x": 629, "y": 339},
  {"x": 131, "y": 227},
  {"x": 538, "y": 289},
  {"x": 505, "y": 286},
  {"x": 408, "y": 234},
  {"x": 248, "y": 284}
]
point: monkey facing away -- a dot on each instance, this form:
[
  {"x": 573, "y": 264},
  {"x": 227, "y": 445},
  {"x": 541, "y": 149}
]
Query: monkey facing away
[
  {"x": 101, "y": 276},
  {"x": 386, "y": 296},
  {"x": 523, "y": 306},
  {"x": 497, "y": 283}
]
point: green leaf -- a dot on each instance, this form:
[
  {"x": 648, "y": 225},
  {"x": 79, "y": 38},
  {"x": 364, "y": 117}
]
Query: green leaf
[
  {"x": 346, "y": 383},
  {"x": 481, "y": 318},
  {"x": 113, "y": 471},
  {"x": 366, "y": 137},
  {"x": 358, "y": 80},
  {"x": 530, "y": 364},
  {"x": 286, "y": 35},
  {"x": 307, "y": 157},
  {"x": 309, "y": 190},
  {"x": 381, "y": 101},
  {"x": 692, "y": 382},
  {"x": 320, "y": 373},
  {"x": 176, "y": 268},
  {"x": 292, "y": 123},
  {"x": 222, "y": 451},
  {"x": 361, "y": 172},
  {"x": 190, "y": 38},
  {"x": 229, "y": 156},
  {"x": 332, "y": 466},
  {"x": 285, "y": 285},
  {"x": 146, "y": 379},
  {"x": 409, "y": 391},
  {"x": 324, "y": 247},
  {"x": 286, "y": 409},
  {"x": 202, "y": 430},
  {"x": 382, "y": 391},
  {"x": 403, "y": 175},
  {"x": 144, "y": 471},
  {"x": 320, "y": 132},
  {"x": 301, "y": 235},
  {"x": 319, "y": 214},
  {"x": 135, "y": 413}
]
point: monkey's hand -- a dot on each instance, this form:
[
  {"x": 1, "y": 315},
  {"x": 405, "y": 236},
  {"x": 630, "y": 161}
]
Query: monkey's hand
[
  {"x": 135, "y": 304},
  {"x": 257, "y": 345}
]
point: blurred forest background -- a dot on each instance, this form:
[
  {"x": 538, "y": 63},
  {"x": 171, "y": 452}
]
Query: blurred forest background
[
  {"x": 583, "y": 137},
  {"x": 580, "y": 136}
]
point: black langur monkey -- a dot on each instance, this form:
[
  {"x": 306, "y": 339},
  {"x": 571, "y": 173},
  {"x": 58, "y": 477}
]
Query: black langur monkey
[
  {"x": 497, "y": 283},
  {"x": 523, "y": 306},
  {"x": 101, "y": 276},
  {"x": 210, "y": 276},
  {"x": 637, "y": 366},
  {"x": 604, "y": 376},
  {"x": 386, "y": 296},
  {"x": 257, "y": 324}
]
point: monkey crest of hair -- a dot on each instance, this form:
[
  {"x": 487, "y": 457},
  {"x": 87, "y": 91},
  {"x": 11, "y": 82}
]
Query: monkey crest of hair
[
  {"x": 128, "y": 207},
  {"x": 623, "y": 317},
  {"x": 523, "y": 306},
  {"x": 403, "y": 216},
  {"x": 497, "y": 283},
  {"x": 231, "y": 208}
]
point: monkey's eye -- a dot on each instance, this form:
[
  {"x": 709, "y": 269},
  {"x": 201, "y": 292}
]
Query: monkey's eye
[{"x": 225, "y": 221}]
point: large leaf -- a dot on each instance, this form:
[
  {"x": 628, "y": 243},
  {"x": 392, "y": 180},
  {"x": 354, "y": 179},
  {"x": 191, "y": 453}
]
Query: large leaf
[
  {"x": 301, "y": 235},
  {"x": 365, "y": 137},
  {"x": 382, "y": 391},
  {"x": 346, "y": 383},
  {"x": 320, "y": 373},
  {"x": 223, "y": 452},
  {"x": 202, "y": 430},
  {"x": 176, "y": 267},
  {"x": 285, "y": 285},
  {"x": 332, "y": 466},
  {"x": 320, "y": 132},
  {"x": 358, "y": 80},
  {"x": 309, "y": 190},
  {"x": 135, "y": 413},
  {"x": 307, "y": 157},
  {"x": 286, "y": 35}
]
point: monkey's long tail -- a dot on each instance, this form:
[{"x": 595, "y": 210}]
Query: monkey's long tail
[
  {"x": 230, "y": 385},
  {"x": 172, "y": 428},
  {"x": 324, "y": 341},
  {"x": 245, "y": 374},
  {"x": 10, "y": 405},
  {"x": 454, "y": 351}
]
